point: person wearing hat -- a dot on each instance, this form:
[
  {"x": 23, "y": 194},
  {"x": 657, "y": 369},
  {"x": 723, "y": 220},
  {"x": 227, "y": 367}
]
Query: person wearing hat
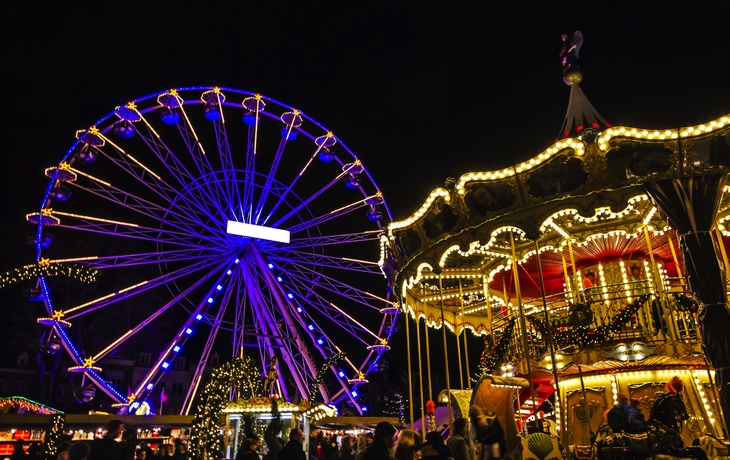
[
  {"x": 383, "y": 442},
  {"x": 79, "y": 451},
  {"x": 435, "y": 448}
]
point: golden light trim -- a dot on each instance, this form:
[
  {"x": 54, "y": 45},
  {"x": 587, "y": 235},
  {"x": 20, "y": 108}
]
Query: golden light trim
[
  {"x": 88, "y": 176},
  {"x": 106, "y": 297},
  {"x": 130, "y": 157},
  {"x": 667, "y": 134},
  {"x": 476, "y": 247},
  {"x": 95, "y": 219},
  {"x": 564, "y": 144},
  {"x": 437, "y": 193}
]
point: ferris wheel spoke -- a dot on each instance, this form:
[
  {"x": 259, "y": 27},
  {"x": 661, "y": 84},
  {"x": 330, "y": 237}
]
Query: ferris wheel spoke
[
  {"x": 141, "y": 206},
  {"x": 137, "y": 288},
  {"x": 289, "y": 188},
  {"x": 138, "y": 171},
  {"x": 224, "y": 151},
  {"x": 323, "y": 344},
  {"x": 269, "y": 179},
  {"x": 130, "y": 230},
  {"x": 325, "y": 261},
  {"x": 142, "y": 258},
  {"x": 327, "y": 217},
  {"x": 155, "y": 143},
  {"x": 319, "y": 303},
  {"x": 337, "y": 287},
  {"x": 339, "y": 239},
  {"x": 306, "y": 202},
  {"x": 176, "y": 300},
  {"x": 180, "y": 338},
  {"x": 199, "y": 157},
  {"x": 248, "y": 188}
]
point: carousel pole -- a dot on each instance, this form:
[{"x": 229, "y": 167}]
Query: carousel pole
[
  {"x": 446, "y": 354},
  {"x": 420, "y": 374},
  {"x": 523, "y": 322},
  {"x": 428, "y": 356},
  {"x": 458, "y": 354},
  {"x": 577, "y": 283},
  {"x": 671, "y": 324},
  {"x": 548, "y": 327},
  {"x": 676, "y": 259},
  {"x": 726, "y": 265},
  {"x": 485, "y": 288},
  {"x": 566, "y": 277},
  {"x": 463, "y": 331},
  {"x": 408, "y": 350}
]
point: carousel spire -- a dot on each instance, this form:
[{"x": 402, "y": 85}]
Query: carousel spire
[{"x": 581, "y": 114}]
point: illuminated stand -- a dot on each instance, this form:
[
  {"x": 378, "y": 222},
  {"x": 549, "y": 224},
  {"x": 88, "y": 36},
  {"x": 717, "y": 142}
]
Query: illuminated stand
[
  {"x": 568, "y": 259},
  {"x": 225, "y": 214},
  {"x": 292, "y": 416}
]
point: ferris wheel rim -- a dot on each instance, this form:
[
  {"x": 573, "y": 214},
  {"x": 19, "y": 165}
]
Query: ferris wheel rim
[{"x": 54, "y": 179}]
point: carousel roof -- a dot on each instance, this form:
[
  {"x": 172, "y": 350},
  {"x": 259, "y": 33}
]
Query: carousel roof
[{"x": 581, "y": 203}]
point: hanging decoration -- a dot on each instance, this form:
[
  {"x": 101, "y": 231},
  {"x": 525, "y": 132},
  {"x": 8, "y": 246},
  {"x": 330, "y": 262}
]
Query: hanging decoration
[
  {"x": 47, "y": 268},
  {"x": 52, "y": 439},
  {"x": 582, "y": 336},
  {"x": 23, "y": 405},
  {"x": 206, "y": 440},
  {"x": 321, "y": 373}
]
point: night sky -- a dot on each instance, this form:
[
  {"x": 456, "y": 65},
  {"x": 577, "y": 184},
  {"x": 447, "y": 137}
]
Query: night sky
[{"x": 420, "y": 91}]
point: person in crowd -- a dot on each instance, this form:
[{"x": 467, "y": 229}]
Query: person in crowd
[
  {"x": 314, "y": 447},
  {"x": 141, "y": 454},
  {"x": 294, "y": 449},
  {"x": 346, "y": 451},
  {"x": 637, "y": 424},
  {"x": 328, "y": 447},
  {"x": 34, "y": 451},
  {"x": 107, "y": 448},
  {"x": 146, "y": 447},
  {"x": 489, "y": 433},
  {"x": 617, "y": 417},
  {"x": 434, "y": 448},
  {"x": 361, "y": 445},
  {"x": 460, "y": 443},
  {"x": 180, "y": 450},
  {"x": 408, "y": 446},
  {"x": 79, "y": 451},
  {"x": 63, "y": 451},
  {"x": 249, "y": 449},
  {"x": 383, "y": 442}
]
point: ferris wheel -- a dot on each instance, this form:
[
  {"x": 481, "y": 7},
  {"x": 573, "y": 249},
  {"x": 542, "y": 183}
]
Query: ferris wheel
[{"x": 228, "y": 215}]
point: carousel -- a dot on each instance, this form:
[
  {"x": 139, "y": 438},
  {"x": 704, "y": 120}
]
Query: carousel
[{"x": 593, "y": 270}]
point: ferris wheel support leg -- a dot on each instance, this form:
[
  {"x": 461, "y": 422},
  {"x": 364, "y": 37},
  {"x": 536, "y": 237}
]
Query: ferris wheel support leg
[
  {"x": 260, "y": 313},
  {"x": 283, "y": 305},
  {"x": 197, "y": 377}
]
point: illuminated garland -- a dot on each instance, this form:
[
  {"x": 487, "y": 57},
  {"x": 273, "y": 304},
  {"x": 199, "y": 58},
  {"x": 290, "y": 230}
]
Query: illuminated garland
[
  {"x": 206, "y": 440},
  {"x": 320, "y": 375},
  {"x": 28, "y": 405},
  {"x": 52, "y": 439},
  {"x": 583, "y": 336},
  {"x": 44, "y": 268}
]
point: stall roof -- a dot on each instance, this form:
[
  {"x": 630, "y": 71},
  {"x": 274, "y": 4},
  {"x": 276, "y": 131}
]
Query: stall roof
[{"x": 96, "y": 420}]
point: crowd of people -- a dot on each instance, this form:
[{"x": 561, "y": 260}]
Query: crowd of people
[{"x": 386, "y": 443}]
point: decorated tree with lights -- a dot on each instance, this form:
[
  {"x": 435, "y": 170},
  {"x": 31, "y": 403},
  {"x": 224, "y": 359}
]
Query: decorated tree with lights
[{"x": 242, "y": 374}]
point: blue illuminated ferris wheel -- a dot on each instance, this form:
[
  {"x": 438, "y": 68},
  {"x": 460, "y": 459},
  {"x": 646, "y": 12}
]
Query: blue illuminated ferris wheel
[{"x": 230, "y": 215}]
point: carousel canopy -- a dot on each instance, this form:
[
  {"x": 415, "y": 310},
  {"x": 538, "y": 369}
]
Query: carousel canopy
[{"x": 581, "y": 204}]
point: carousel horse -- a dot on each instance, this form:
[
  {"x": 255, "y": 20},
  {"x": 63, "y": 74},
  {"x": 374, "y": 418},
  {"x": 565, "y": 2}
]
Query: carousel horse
[{"x": 662, "y": 435}]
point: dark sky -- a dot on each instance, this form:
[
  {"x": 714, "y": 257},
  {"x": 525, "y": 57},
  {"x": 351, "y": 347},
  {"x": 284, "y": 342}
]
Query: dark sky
[{"x": 418, "y": 93}]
